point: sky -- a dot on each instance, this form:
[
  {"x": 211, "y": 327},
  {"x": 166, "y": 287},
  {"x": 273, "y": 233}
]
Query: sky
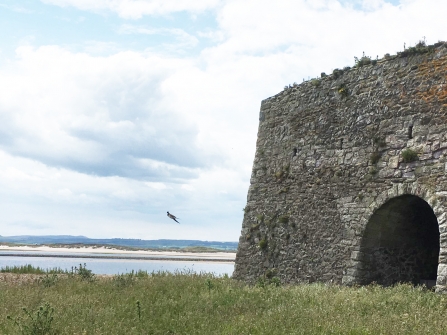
[{"x": 113, "y": 112}]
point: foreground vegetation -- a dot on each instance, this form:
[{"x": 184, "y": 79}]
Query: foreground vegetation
[{"x": 191, "y": 303}]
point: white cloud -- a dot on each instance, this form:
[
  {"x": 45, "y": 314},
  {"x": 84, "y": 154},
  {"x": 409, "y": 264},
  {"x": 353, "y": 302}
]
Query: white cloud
[
  {"x": 135, "y": 9},
  {"x": 183, "y": 40},
  {"x": 99, "y": 115},
  {"x": 58, "y": 201},
  {"x": 113, "y": 142}
]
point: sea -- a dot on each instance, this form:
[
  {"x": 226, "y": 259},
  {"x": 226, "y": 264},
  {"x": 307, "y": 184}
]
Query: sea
[{"x": 112, "y": 265}]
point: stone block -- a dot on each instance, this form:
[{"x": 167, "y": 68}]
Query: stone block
[
  {"x": 393, "y": 162},
  {"x": 442, "y": 270}
]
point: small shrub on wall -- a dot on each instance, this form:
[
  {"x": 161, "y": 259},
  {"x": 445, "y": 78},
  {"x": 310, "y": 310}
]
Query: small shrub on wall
[
  {"x": 409, "y": 155},
  {"x": 375, "y": 157},
  {"x": 263, "y": 243}
]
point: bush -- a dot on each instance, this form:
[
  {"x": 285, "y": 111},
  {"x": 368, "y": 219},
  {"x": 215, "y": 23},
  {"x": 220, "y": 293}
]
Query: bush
[
  {"x": 364, "y": 60},
  {"x": 374, "y": 158},
  {"x": 409, "y": 155},
  {"x": 380, "y": 142},
  {"x": 284, "y": 219},
  {"x": 37, "y": 324},
  {"x": 315, "y": 82},
  {"x": 48, "y": 280},
  {"x": 84, "y": 273},
  {"x": 337, "y": 73},
  {"x": 124, "y": 280},
  {"x": 263, "y": 243},
  {"x": 343, "y": 90},
  {"x": 420, "y": 48}
]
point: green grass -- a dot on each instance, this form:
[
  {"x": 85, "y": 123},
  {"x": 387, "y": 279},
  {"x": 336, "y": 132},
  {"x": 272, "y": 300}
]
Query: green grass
[
  {"x": 191, "y": 303},
  {"x": 30, "y": 269},
  {"x": 409, "y": 155}
]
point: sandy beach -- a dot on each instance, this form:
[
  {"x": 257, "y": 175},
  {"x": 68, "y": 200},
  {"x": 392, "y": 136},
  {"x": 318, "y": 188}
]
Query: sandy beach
[{"x": 111, "y": 252}]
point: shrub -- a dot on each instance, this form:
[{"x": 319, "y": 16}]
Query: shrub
[
  {"x": 209, "y": 285},
  {"x": 263, "y": 243},
  {"x": 337, "y": 73},
  {"x": 343, "y": 90},
  {"x": 38, "y": 323},
  {"x": 315, "y": 82},
  {"x": 373, "y": 170},
  {"x": 374, "y": 158},
  {"x": 124, "y": 280},
  {"x": 364, "y": 60},
  {"x": 409, "y": 155},
  {"x": 278, "y": 174},
  {"x": 275, "y": 281},
  {"x": 283, "y": 219},
  {"x": 138, "y": 309},
  {"x": 84, "y": 273},
  {"x": 268, "y": 280},
  {"x": 420, "y": 48},
  {"x": 379, "y": 142},
  {"x": 48, "y": 280}
]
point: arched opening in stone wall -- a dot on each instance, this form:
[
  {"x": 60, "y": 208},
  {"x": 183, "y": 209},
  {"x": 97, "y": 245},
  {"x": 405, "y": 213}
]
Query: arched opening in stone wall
[{"x": 400, "y": 244}]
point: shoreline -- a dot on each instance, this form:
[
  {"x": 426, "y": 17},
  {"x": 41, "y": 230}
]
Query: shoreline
[{"x": 110, "y": 253}]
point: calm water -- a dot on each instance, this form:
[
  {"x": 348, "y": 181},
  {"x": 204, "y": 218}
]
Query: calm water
[{"x": 116, "y": 266}]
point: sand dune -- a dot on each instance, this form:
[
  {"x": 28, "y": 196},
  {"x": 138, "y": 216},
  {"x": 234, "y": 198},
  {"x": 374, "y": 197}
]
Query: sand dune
[{"x": 111, "y": 251}]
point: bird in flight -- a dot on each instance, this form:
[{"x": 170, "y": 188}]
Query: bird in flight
[{"x": 173, "y": 217}]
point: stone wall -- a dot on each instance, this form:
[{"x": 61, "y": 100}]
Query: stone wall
[{"x": 330, "y": 152}]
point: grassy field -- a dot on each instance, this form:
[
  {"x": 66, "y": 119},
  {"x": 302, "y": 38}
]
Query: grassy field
[{"x": 189, "y": 303}]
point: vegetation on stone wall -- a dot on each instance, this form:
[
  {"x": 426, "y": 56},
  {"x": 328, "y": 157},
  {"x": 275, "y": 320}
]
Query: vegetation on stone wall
[
  {"x": 263, "y": 243},
  {"x": 282, "y": 173},
  {"x": 379, "y": 142},
  {"x": 337, "y": 73},
  {"x": 420, "y": 48},
  {"x": 284, "y": 218},
  {"x": 343, "y": 90},
  {"x": 373, "y": 170},
  {"x": 364, "y": 60},
  {"x": 375, "y": 157},
  {"x": 409, "y": 155},
  {"x": 315, "y": 82}
]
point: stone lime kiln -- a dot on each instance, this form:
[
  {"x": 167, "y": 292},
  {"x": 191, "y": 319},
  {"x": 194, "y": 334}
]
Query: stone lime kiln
[{"x": 349, "y": 181}]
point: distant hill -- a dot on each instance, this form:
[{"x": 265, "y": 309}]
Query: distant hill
[{"x": 123, "y": 242}]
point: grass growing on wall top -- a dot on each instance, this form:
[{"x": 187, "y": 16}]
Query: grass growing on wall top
[{"x": 190, "y": 303}]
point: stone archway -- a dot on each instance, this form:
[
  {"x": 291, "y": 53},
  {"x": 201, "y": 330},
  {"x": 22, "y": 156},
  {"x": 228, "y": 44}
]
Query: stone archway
[{"x": 400, "y": 243}]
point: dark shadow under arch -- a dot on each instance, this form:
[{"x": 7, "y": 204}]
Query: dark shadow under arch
[{"x": 400, "y": 243}]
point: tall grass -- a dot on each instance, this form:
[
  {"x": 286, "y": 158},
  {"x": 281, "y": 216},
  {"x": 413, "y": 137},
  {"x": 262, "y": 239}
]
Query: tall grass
[
  {"x": 30, "y": 269},
  {"x": 191, "y": 303}
]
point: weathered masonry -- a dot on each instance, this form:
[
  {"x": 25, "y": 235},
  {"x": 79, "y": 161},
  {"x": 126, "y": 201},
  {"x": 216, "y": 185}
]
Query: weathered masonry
[{"x": 349, "y": 181}]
